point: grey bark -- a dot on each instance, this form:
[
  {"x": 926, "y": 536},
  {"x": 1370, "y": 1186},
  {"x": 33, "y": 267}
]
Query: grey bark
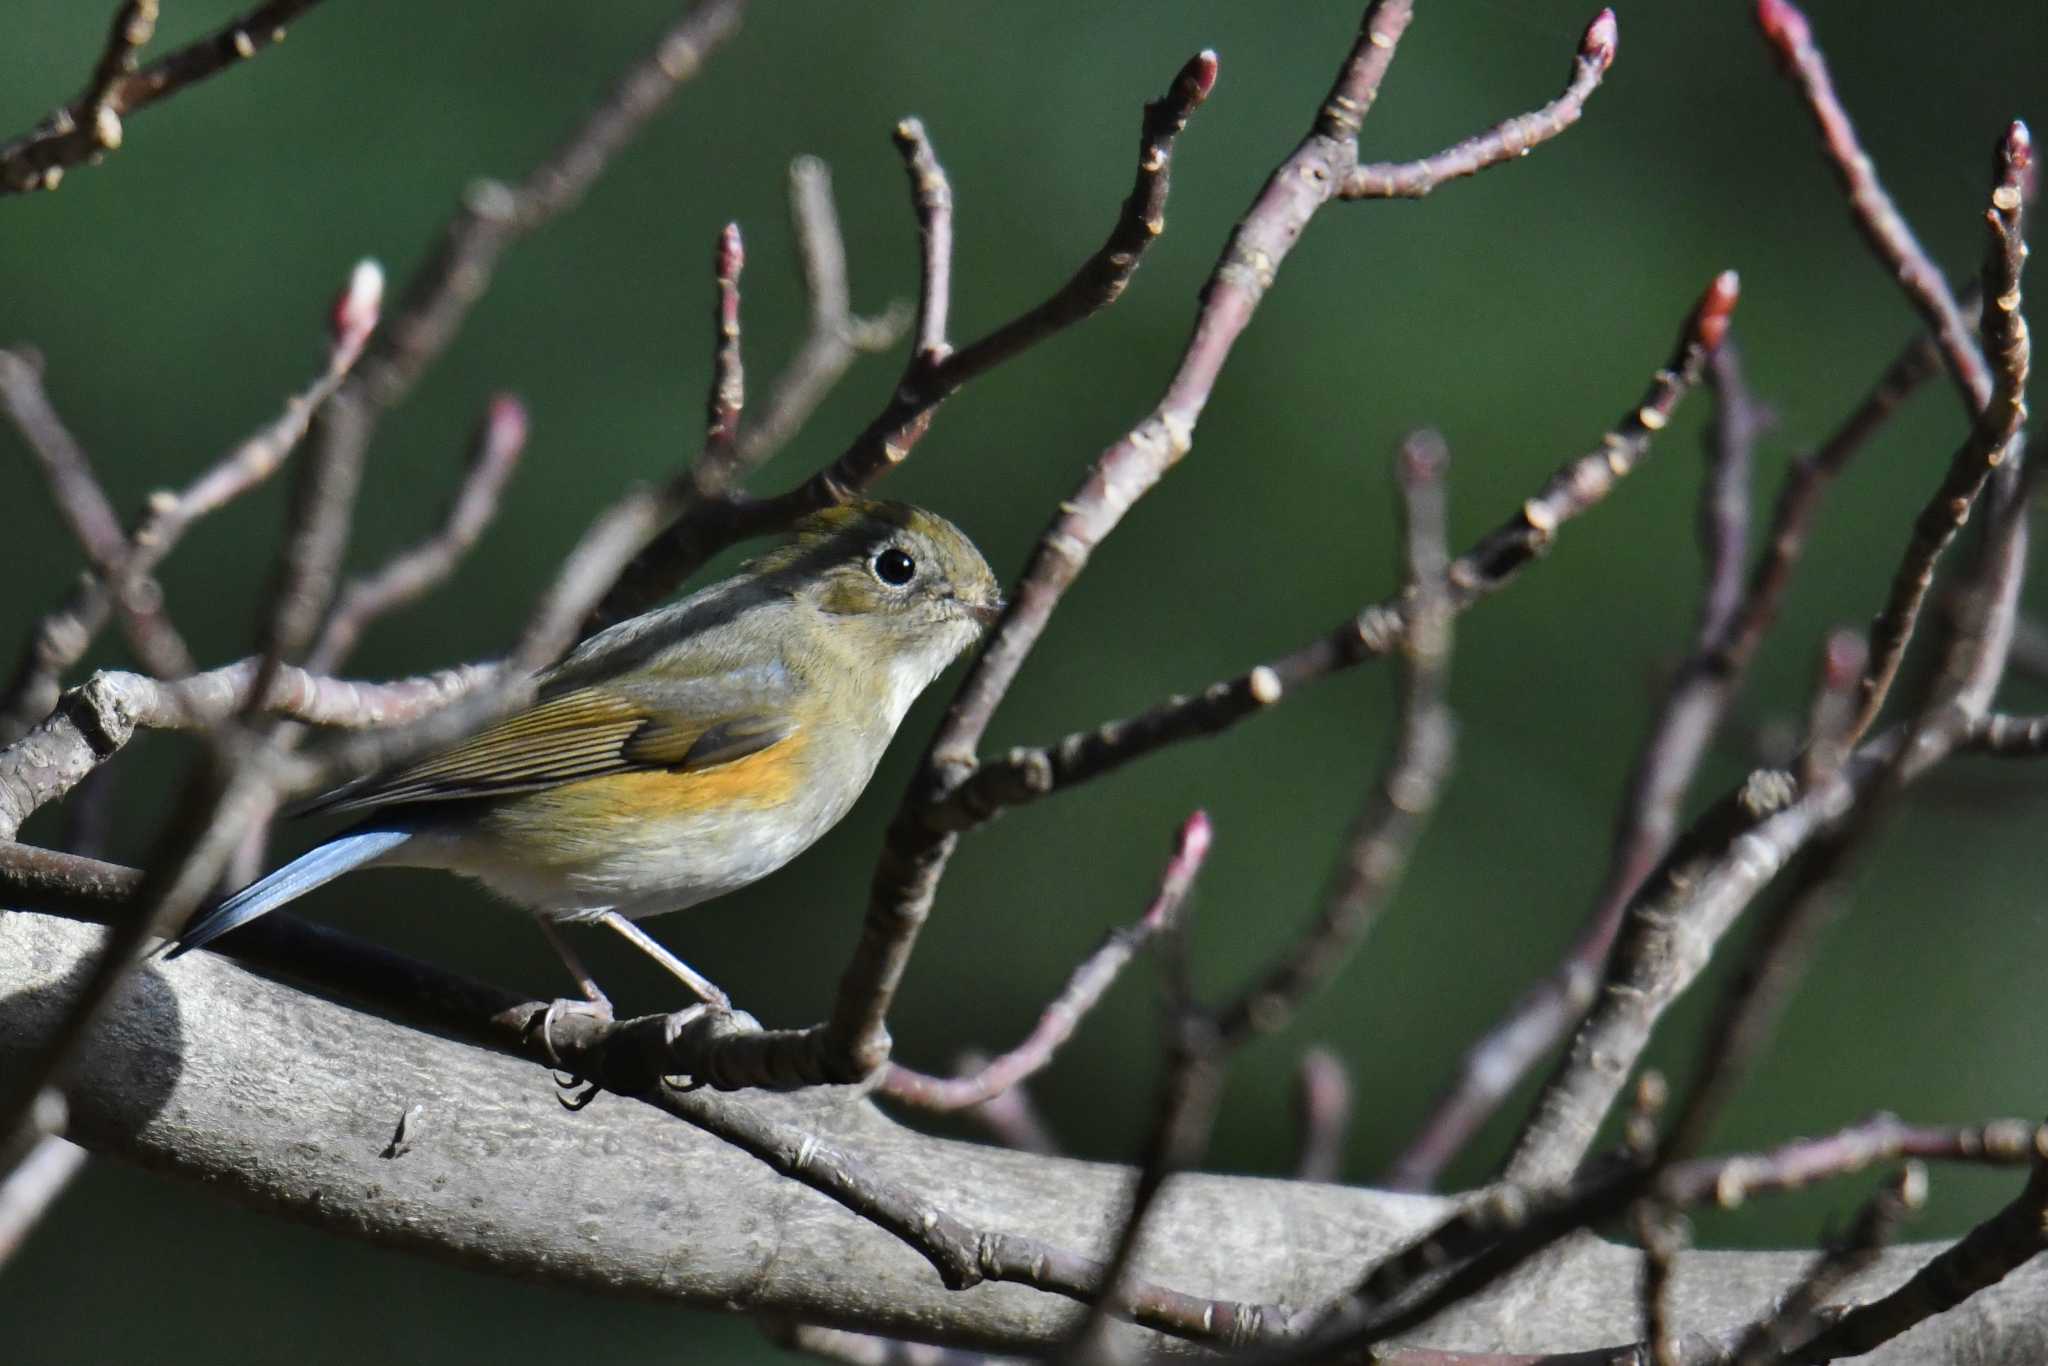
[{"x": 289, "y": 1102}]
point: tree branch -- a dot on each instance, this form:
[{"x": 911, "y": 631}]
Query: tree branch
[
  {"x": 935, "y": 371},
  {"x": 1507, "y": 141},
  {"x": 1997, "y": 426},
  {"x": 91, "y": 125}
]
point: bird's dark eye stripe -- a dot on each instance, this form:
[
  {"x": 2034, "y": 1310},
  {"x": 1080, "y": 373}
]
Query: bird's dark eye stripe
[{"x": 894, "y": 566}]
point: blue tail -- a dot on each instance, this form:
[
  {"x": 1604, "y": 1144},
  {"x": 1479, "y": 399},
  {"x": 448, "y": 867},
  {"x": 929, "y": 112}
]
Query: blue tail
[{"x": 309, "y": 870}]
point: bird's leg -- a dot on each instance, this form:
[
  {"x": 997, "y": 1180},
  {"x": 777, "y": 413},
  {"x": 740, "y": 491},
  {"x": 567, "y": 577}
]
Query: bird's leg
[
  {"x": 707, "y": 990},
  {"x": 595, "y": 1003},
  {"x": 584, "y": 981}
]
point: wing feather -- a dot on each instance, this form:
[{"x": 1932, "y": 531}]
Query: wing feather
[{"x": 586, "y": 732}]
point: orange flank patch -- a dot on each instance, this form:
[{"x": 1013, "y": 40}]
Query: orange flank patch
[
  {"x": 764, "y": 779},
  {"x": 579, "y": 818}
]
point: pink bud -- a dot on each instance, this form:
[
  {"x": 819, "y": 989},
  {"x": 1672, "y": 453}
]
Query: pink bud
[
  {"x": 356, "y": 308},
  {"x": 732, "y": 253},
  {"x": 1603, "y": 38},
  {"x": 1784, "y": 24},
  {"x": 504, "y": 428},
  {"x": 1710, "y": 318},
  {"x": 1842, "y": 658},
  {"x": 2019, "y": 146}
]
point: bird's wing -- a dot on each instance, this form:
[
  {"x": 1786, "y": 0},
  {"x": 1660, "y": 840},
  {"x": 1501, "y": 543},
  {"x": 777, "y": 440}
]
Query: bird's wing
[{"x": 586, "y": 732}]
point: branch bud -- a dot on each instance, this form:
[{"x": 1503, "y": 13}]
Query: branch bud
[
  {"x": 1602, "y": 40},
  {"x": 355, "y": 311}
]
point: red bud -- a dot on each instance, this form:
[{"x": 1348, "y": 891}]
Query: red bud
[
  {"x": 1783, "y": 23},
  {"x": 1603, "y": 38},
  {"x": 1710, "y": 318}
]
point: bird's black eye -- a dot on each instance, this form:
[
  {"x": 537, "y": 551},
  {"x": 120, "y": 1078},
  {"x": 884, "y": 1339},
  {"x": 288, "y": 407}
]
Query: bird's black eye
[{"x": 895, "y": 567}]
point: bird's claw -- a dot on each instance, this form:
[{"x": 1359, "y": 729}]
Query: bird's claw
[{"x": 566, "y": 1080}]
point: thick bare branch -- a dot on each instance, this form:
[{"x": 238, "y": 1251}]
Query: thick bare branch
[{"x": 1242, "y": 1241}]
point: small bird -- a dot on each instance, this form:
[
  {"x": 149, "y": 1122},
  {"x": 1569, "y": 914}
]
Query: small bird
[{"x": 682, "y": 754}]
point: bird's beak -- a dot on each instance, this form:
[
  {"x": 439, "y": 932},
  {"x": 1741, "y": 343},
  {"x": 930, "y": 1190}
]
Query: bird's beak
[{"x": 987, "y": 610}]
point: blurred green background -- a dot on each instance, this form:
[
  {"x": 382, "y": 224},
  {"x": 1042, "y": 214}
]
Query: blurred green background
[{"x": 177, "y": 294}]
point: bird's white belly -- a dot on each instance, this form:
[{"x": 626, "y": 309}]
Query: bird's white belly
[{"x": 637, "y": 868}]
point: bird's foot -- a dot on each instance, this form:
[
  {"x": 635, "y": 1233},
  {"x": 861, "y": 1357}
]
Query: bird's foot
[{"x": 566, "y": 1081}]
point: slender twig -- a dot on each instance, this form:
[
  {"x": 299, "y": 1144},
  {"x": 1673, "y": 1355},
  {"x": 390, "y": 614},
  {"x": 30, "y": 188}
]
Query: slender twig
[
  {"x": 61, "y": 639},
  {"x": 1185, "y": 1111},
  {"x": 92, "y": 124},
  {"x": 81, "y": 499},
  {"x": 134, "y": 25},
  {"x": 29, "y": 1187},
  {"x": 1322, "y": 1115},
  {"x": 1982, "y": 1257},
  {"x": 1798, "y": 1311},
  {"x": 1089, "y": 982},
  {"x": 1575, "y": 488},
  {"x": 1991, "y": 435},
  {"x": 229, "y": 790},
  {"x": 405, "y": 578},
  {"x": 1499, "y": 1059},
  {"x": 98, "y": 717},
  {"x": 1668, "y": 932},
  {"x": 1493, "y": 1234},
  {"x": 1712, "y": 874},
  {"x": 1010, "y": 1116},
  {"x": 1619, "y": 1026},
  {"x": 1785, "y": 28},
  {"x": 411, "y": 574},
  {"x": 931, "y": 194},
  {"x": 728, "y": 372},
  {"x": 1799, "y": 499},
  {"x": 432, "y": 308},
  {"x": 1735, "y": 426},
  {"x": 1775, "y": 957},
  {"x": 1384, "y": 834},
  {"x": 1727, "y": 1182},
  {"x": 1509, "y": 140},
  {"x": 854, "y": 1040},
  {"x": 836, "y": 336},
  {"x": 494, "y": 215},
  {"x": 934, "y": 371},
  {"x": 308, "y": 572},
  {"x": 2007, "y": 737},
  {"x": 1662, "y": 1236}
]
